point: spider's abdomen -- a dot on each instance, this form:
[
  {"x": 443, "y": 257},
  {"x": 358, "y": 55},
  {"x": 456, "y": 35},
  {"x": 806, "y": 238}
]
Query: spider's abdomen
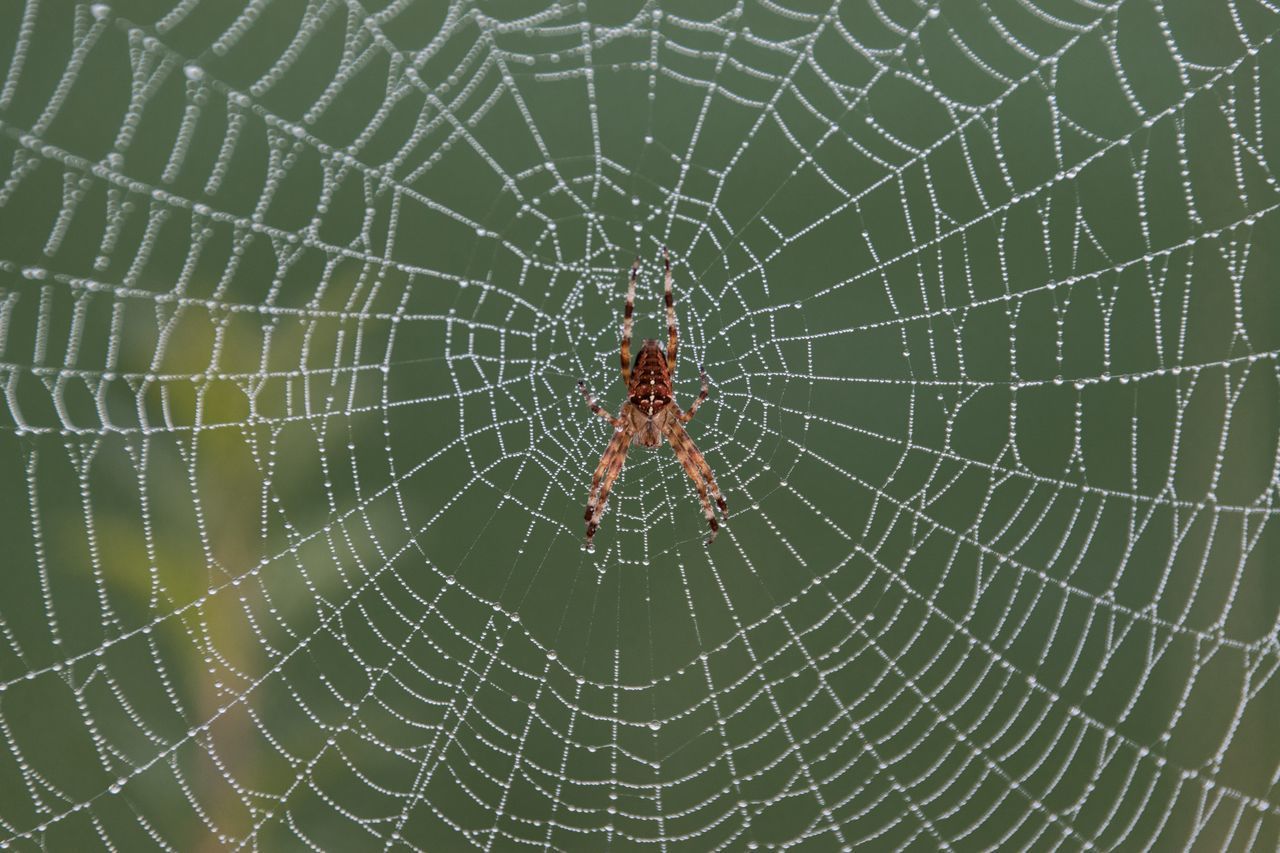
[{"x": 650, "y": 390}]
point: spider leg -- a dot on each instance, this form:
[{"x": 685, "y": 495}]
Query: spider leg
[
  {"x": 615, "y": 455},
  {"x": 596, "y": 408},
  {"x": 671, "y": 314},
  {"x": 705, "y": 470},
  {"x": 606, "y": 459},
  {"x": 626, "y": 323},
  {"x": 711, "y": 483},
  {"x": 685, "y": 417},
  {"x": 695, "y": 465}
]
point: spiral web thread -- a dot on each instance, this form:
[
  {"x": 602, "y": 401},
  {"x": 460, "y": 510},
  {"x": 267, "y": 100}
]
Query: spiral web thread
[{"x": 293, "y": 301}]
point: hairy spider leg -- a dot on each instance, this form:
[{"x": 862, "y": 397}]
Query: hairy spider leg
[
  {"x": 701, "y": 462},
  {"x": 705, "y": 469},
  {"x": 671, "y": 316},
  {"x": 602, "y": 481},
  {"x": 685, "y": 417},
  {"x": 696, "y": 467},
  {"x": 606, "y": 459},
  {"x": 626, "y": 323},
  {"x": 596, "y": 408}
]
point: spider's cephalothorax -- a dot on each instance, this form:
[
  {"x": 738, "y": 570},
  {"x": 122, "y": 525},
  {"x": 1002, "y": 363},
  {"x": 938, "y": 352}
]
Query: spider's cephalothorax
[{"x": 650, "y": 414}]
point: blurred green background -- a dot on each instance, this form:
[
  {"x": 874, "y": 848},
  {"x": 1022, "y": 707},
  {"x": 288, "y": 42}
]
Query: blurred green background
[{"x": 293, "y": 301}]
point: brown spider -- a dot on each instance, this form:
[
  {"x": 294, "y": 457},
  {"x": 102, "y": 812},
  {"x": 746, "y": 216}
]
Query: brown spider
[{"x": 649, "y": 415}]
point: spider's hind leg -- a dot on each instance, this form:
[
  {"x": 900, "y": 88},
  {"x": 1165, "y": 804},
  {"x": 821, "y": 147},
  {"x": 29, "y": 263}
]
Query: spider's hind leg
[
  {"x": 667, "y": 298},
  {"x": 627, "y": 312}
]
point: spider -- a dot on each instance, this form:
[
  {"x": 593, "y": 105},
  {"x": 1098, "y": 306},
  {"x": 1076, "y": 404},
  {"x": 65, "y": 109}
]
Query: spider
[{"x": 650, "y": 414}]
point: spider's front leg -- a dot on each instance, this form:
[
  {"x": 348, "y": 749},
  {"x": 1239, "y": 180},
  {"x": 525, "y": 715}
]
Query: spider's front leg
[
  {"x": 615, "y": 456},
  {"x": 695, "y": 465}
]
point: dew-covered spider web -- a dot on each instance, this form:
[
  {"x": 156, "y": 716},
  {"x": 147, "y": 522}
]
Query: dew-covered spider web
[{"x": 294, "y": 298}]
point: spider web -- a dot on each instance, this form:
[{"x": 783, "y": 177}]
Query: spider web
[{"x": 293, "y": 302}]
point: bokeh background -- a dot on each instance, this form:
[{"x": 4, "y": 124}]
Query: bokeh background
[{"x": 293, "y": 301}]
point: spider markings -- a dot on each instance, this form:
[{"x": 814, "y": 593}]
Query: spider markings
[{"x": 650, "y": 414}]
